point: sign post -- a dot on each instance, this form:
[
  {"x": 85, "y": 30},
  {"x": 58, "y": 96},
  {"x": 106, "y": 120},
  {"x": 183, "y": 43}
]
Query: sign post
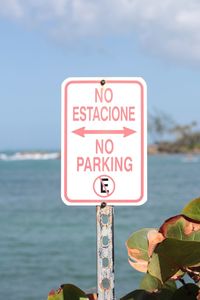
[
  {"x": 105, "y": 252},
  {"x": 104, "y": 155}
]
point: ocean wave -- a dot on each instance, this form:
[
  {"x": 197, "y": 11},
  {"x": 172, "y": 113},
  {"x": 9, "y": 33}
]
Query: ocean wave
[{"x": 29, "y": 156}]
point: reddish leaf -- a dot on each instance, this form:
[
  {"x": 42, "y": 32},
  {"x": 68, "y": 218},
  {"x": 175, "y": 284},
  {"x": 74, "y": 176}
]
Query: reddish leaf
[
  {"x": 181, "y": 228},
  {"x": 140, "y": 247},
  {"x": 154, "y": 238}
]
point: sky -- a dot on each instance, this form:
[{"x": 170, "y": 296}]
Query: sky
[{"x": 42, "y": 42}]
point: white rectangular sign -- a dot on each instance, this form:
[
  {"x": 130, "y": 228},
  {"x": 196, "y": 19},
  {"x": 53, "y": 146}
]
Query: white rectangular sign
[{"x": 104, "y": 141}]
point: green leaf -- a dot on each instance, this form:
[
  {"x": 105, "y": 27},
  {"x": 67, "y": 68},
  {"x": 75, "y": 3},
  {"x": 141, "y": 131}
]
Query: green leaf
[
  {"x": 140, "y": 246},
  {"x": 163, "y": 294},
  {"x": 171, "y": 256},
  {"x": 170, "y": 285},
  {"x": 186, "y": 292},
  {"x": 139, "y": 295},
  {"x": 192, "y": 210},
  {"x": 150, "y": 283},
  {"x": 180, "y": 228},
  {"x": 139, "y": 241},
  {"x": 71, "y": 292},
  {"x": 56, "y": 295}
]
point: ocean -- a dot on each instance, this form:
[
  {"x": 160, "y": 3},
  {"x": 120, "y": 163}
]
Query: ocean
[{"x": 44, "y": 243}]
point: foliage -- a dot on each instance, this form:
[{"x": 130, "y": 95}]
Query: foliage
[
  {"x": 166, "y": 255},
  {"x": 159, "y": 124},
  {"x": 69, "y": 292},
  {"x": 171, "y": 137}
]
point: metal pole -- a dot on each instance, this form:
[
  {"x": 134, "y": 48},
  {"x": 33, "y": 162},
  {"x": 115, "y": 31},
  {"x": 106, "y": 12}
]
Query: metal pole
[{"x": 105, "y": 252}]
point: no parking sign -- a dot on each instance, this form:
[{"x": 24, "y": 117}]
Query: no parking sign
[{"x": 104, "y": 141}]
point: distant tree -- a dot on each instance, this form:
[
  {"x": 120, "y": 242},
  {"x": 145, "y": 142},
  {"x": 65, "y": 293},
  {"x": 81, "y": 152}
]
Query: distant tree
[
  {"x": 159, "y": 125},
  {"x": 183, "y": 131},
  {"x": 170, "y": 136}
]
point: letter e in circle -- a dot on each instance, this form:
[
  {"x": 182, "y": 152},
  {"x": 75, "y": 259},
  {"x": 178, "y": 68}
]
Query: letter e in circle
[{"x": 104, "y": 186}]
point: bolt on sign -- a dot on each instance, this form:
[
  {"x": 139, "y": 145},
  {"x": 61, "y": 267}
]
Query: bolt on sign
[{"x": 104, "y": 141}]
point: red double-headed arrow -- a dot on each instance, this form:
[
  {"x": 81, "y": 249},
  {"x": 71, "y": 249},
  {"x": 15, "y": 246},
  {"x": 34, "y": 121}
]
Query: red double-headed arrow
[{"x": 125, "y": 131}]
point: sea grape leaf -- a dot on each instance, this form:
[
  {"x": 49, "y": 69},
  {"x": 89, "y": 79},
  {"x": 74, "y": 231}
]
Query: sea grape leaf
[
  {"x": 140, "y": 246},
  {"x": 195, "y": 270},
  {"x": 154, "y": 238},
  {"x": 178, "y": 275},
  {"x": 163, "y": 294},
  {"x": 186, "y": 292},
  {"x": 192, "y": 209},
  {"x": 137, "y": 244},
  {"x": 56, "y": 295},
  {"x": 139, "y": 295},
  {"x": 198, "y": 295},
  {"x": 140, "y": 265},
  {"x": 161, "y": 268},
  {"x": 72, "y": 292},
  {"x": 92, "y": 296},
  {"x": 180, "y": 228},
  {"x": 170, "y": 285},
  {"x": 171, "y": 256},
  {"x": 152, "y": 284}
]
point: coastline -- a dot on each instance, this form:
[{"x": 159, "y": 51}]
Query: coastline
[
  {"x": 157, "y": 149},
  {"x": 154, "y": 149}
]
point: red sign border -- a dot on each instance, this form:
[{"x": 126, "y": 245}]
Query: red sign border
[{"x": 66, "y": 141}]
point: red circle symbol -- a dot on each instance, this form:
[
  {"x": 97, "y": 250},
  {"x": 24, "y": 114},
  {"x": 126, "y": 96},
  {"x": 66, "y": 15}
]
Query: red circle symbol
[{"x": 104, "y": 186}]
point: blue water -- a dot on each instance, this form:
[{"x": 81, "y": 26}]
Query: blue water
[{"x": 44, "y": 243}]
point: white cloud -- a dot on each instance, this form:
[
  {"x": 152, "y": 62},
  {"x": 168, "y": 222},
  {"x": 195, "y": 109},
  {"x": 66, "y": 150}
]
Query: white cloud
[
  {"x": 165, "y": 27},
  {"x": 11, "y": 9}
]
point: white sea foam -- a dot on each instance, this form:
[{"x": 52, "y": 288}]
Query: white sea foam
[
  {"x": 190, "y": 158},
  {"x": 29, "y": 156}
]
